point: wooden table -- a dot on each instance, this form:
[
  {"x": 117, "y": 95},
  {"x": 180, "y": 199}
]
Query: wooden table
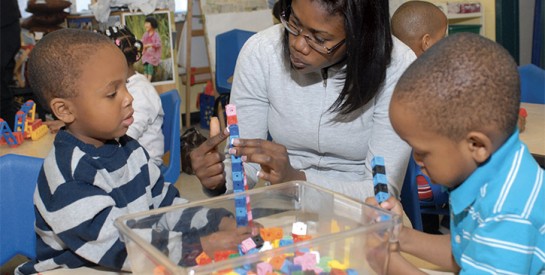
[
  {"x": 34, "y": 148},
  {"x": 534, "y": 135}
]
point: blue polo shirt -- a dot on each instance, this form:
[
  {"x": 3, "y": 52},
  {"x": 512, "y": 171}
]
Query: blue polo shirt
[{"x": 498, "y": 215}]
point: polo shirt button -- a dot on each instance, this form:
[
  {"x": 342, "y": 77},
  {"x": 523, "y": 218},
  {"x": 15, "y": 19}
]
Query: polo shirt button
[{"x": 457, "y": 239}]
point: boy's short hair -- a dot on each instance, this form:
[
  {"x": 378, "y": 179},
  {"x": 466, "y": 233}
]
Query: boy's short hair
[
  {"x": 413, "y": 19},
  {"x": 464, "y": 83},
  {"x": 56, "y": 62}
]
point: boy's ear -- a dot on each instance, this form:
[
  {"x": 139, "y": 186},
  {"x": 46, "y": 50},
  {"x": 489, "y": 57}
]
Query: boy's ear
[
  {"x": 425, "y": 42},
  {"x": 480, "y": 146},
  {"x": 62, "y": 109}
]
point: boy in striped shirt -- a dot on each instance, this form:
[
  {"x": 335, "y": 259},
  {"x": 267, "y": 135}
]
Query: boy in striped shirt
[
  {"x": 457, "y": 107},
  {"x": 95, "y": 173}
]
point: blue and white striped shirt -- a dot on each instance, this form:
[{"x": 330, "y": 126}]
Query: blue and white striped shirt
[
  {"x": 498, "y": 215},
  {"x": 81, "y": 190}
]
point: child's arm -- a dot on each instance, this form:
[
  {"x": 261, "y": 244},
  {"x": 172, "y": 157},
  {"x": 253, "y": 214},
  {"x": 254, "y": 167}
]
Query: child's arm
[
  {"x": 435, "y": 249},
  {"x": 156, "y": 41}
]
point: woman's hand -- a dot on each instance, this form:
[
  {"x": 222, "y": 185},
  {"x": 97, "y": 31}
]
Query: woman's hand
[
  {"x": 272, "y": 157},
  {"x": 207, "y": 161}
]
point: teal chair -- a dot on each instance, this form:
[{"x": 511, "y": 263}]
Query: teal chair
[
  {"x": 171, "y": 130},
  {"x": 18, "y": 177}
]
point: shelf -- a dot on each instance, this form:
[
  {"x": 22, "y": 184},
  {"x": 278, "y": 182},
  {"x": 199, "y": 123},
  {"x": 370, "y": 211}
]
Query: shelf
[{"x": 464, "y": 15}]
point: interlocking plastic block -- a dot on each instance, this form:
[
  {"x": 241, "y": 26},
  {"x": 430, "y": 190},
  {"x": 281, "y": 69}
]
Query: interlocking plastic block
[
  {"x": 263, "y": 268},
  {"x": 351, "y": 271},
  {"x": 337, "y": 271},
  {"x": 231, "y": 113},
  {"x": 380, "y": 180},
  {"x": 247, "y": 244},
  {"x": 258, "y": 241},
  {"x": 223, "y": 255},
  {"x": 203, "y": 259},
  {"x": 272, "y": 233},
  {"x": 284, "y": 242},
  {"x": 299, "y": 228}
]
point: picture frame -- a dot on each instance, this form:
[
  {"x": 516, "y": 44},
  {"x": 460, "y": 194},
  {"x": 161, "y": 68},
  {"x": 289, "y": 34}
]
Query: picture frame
[{"x": 164, "y": 71}]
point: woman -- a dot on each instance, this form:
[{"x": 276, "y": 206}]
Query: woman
[{"x": 320, "y": 84}]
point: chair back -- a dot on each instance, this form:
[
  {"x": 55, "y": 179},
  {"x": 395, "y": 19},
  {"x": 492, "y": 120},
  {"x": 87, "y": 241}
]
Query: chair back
[
  {"x": 171, "y": 131},
  {"x": 18, "y": 177},
  {"x": 532, "y": 84},
  {"x": 409, "y": 196},
  {"x": 228, "y": 45},
  {"x": 412, "y": 205}
]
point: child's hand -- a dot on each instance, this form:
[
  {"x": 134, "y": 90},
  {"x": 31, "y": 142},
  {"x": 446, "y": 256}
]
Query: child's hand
[
  {"x": 391, "y": 204},
  {"x": 228, "y": 237}
]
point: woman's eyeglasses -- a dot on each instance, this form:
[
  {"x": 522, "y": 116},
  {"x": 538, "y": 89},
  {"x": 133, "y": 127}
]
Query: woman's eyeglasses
[{"x": 312, "y": 41}]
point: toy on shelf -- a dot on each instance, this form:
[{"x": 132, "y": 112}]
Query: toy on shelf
[
  {"x": 26, "y": 126},
  {"x": 8, "y": 137},
  {"x": 243, "y": 210}
]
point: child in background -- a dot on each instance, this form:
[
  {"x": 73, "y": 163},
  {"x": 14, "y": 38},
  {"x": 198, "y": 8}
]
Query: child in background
[
  {"x": 95, "y": 173},
  {"x": 419, "y": 24},
  {"x": 152, "y": 47},
  {"x": 457, "y": 106},
  {"x": 148, "y": 111}
]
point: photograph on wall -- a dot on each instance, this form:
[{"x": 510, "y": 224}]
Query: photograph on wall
[{"x": 155, "y": 32}]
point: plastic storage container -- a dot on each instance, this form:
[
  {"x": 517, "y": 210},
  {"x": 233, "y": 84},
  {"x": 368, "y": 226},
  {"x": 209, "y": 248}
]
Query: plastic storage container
[
  {"x": 344, "y": 233},
  {"x": 464, "y": 28}
]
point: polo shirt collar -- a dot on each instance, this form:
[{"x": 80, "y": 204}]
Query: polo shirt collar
[{"x": 467, "y": 192}]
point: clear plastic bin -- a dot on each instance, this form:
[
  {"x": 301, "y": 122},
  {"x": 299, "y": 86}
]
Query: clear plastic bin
[{"x": 343, "y": 232}]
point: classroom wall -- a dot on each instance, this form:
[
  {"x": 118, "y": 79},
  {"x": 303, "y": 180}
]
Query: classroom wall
[{"x": 489, "y": 7}]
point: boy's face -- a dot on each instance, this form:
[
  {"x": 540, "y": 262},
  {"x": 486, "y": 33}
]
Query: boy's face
[
  {"x": 102, "y": 109},
  {"x": 445, "y": 161}
]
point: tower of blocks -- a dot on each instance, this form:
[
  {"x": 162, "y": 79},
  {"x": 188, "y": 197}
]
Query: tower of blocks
[
  {"x": 243, "y": 211},
  {"x": 379, "y": 179}
]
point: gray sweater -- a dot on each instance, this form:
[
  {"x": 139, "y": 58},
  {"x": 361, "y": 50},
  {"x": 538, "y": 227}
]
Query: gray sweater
[{"x": 333, "y": 152}]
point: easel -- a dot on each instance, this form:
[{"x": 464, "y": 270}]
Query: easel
[
  {"x": 258, "y": 18},
  {"x": 190, "y": 73}
]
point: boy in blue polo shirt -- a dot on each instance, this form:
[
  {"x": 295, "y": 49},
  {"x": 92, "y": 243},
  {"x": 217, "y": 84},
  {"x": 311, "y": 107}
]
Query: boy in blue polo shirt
[{"x": 457, "y": 107}]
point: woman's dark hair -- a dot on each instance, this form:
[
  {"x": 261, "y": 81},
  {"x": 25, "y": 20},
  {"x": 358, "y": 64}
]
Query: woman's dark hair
[
  {"x": 152, "y": 21},
  {"x": 125, "y": 40},
  {"x": 368, "y": 49}
]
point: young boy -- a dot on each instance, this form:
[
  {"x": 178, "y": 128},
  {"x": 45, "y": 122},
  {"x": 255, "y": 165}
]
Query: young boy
[
  {"x": 95, "y": 172},
  {"x": 419, "y": 24},
  {"x": 457, "y": 106},
  {"x": 148, "y": 111}
]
